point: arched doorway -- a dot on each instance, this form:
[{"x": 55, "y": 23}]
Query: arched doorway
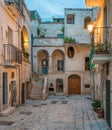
[
  {"x": 58, "y": 61},
  {"x": 43, "y": 62},
  {"x": 74, "y": 84},
  {"x": 25, "y": 45}
]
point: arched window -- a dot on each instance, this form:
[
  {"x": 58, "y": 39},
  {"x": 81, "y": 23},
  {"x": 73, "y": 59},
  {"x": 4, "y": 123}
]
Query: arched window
[
  {"x": 70, "y": 52},
  {"x": 87, "y": 20}
]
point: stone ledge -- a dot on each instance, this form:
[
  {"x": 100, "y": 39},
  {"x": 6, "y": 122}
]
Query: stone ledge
[{"x": 7, "y": 111}]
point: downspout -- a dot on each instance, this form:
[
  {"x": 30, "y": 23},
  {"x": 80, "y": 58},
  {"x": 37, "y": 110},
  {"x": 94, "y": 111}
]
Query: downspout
[
  {"x": 32, "y": 40},
  {"x": 19, "y": 72}
]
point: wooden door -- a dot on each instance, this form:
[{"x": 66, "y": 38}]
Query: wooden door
[
  {"x": 13, "y": 93},
  {"x": 5, "y": 88},
  {"x": 74, "y": 85},
  {"x": 23, "y": 94},
  {"x": 108, "y": 111}
]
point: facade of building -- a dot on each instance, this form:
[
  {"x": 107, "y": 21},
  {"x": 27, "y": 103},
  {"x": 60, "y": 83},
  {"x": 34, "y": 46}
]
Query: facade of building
[
  {"x": 60, "y": 52},
  {"x": 101, "y": 55},
  {"x": 15, "y": 66}
]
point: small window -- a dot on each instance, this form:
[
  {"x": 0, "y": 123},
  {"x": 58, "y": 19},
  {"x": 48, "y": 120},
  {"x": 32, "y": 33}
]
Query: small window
[
  {"x": 70, "y": 52},
  {"x": 70, "y": 19},
  {"x": 12, "y": 75},
  {"x": 44, "y": 62},
  {"x": 51, "y": 89},
  {"x": 60, "y": 65},
  {"x": 86, "y": 63},
  {"x": 87, "y": 85}
]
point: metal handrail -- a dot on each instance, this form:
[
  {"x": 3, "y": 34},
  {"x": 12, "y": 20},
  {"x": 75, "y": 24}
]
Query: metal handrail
[{"x": 12, "y": 53}]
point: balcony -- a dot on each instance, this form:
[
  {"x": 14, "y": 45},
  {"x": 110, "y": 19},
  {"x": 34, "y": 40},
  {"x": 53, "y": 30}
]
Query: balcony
[
  {"x": 100, "y": 48},
  {"x": 95, "y": 3},
  {"x": 15, "y": 7},
  {"x": 12, "y": 54},
  {"x": 101, "y": 54}
]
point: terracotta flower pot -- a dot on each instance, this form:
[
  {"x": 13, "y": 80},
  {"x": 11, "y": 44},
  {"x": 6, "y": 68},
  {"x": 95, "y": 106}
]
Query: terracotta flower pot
[{"x": 100, "y": 113}]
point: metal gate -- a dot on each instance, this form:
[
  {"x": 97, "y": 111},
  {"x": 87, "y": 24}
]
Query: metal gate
[
  {"x": 108, "y": 101},
  {"x": 23, "y": 93}
]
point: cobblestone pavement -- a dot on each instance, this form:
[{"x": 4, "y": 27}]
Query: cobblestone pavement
[{"x": 56, "y": 113}]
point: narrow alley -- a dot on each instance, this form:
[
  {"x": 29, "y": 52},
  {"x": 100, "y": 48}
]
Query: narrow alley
[{"x": 55, "y": 113}]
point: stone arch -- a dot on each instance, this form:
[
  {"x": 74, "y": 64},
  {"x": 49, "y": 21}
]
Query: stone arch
[
  {"x": 25, "y": 45},
  {"x": 74, "y": 84},
  {"x": 59, "y": 85},
  {"x": 58, "y": 57},
  {"x": 87, "y": 20},
  {"x": 43, "y": 61}
]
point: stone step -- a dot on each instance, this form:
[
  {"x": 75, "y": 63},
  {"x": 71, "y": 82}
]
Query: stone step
[
  {"x": 36, "y": 98},
  {"x": 38, "y": 84},
  {"x": 36, "y": 93},
  {"x": 8, "y": 111},
  {"x": 37, "y": 87}
]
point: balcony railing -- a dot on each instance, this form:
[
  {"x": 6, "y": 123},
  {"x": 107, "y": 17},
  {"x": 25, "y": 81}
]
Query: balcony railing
[
  {"x": 102, "y": 40},
  {"x": 101, "y": 44},
  {"x": 12, "y": 54},
  {"x": 17, "y": 3}
]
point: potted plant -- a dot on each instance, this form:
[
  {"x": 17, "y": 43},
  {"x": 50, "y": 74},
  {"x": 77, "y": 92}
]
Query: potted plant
[
  {"x": 96, "y": 104},
  {"x": 102, "y": 48},
  {"x": 100, "y": 112}
]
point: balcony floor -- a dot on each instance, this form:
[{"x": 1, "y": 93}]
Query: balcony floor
[{"x": 101, "y": 58}]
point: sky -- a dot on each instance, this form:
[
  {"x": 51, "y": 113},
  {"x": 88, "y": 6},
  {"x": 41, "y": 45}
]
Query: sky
[{"x": 53, "y": 8}]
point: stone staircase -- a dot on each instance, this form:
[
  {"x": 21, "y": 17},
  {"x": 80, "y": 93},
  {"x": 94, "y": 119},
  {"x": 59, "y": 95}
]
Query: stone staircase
[{"x": 37, "y": 83}]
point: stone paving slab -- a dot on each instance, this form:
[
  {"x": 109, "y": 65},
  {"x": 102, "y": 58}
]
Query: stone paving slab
[{"x": 56, "y": 113}]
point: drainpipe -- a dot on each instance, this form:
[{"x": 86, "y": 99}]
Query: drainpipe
[
  {"x": 18, "y": 67},
  {"x": 32, "y": 40}
]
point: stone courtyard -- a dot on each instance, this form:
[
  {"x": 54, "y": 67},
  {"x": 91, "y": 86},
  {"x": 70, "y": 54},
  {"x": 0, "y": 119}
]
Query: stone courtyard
[{"x": 55, "y": 113}]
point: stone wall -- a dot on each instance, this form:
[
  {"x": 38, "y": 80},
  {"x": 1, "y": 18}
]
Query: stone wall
[{"x": 77, "y": 30}]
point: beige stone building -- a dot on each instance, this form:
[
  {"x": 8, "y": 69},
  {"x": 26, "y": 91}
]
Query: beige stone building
[
  {"x": 101, "y": 55},
  {"x": 15, "y": 67},
  {"x": 60, "y": 52}
]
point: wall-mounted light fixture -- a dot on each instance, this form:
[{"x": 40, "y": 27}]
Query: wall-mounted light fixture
[{"x": 90, "y": 28}]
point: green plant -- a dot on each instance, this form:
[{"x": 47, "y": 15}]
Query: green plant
[
  {"x": 96, "y": 104},
  {"x": 62, "y": 30},
  {"x": 69, "y": 40},
  {"x": 38, "y": 31},
  {"x": 103, "y": 47}
]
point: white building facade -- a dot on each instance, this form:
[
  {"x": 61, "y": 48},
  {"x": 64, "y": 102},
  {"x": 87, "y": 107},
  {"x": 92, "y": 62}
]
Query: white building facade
[
  {"x": 15, "y": 66},
  {"x": 60, "y": 53}
]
